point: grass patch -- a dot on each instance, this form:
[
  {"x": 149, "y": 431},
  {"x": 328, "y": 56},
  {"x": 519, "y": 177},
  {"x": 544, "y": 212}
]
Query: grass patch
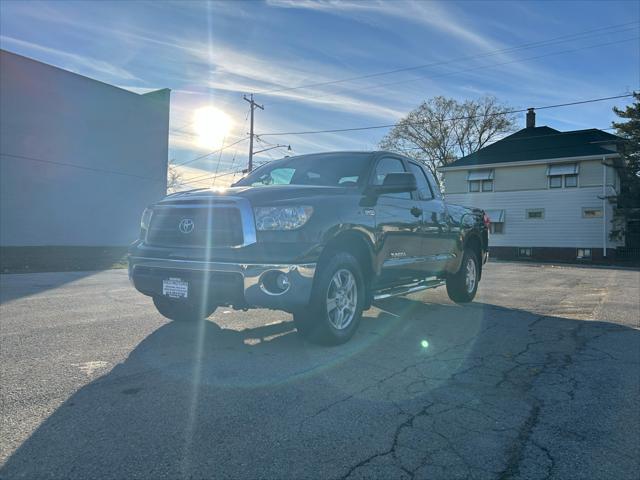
[{"x": 61, "y": 259}]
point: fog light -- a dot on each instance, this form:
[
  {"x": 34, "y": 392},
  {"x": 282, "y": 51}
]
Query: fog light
[
  {"x": 274, "y": 282},
  {"x": 282, "y": 281}
]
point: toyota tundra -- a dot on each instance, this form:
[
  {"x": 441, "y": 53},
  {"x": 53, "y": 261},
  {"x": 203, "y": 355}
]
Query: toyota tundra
[{"x": 321, "y": 236}]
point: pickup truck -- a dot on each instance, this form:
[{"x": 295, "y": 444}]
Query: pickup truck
[{"x": 321, "y": 236}]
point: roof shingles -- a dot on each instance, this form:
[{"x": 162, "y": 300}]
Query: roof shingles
[{"x": 540, "y": 143}]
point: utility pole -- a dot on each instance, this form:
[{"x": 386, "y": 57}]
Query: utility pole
[{"x": 251, "y": 135}]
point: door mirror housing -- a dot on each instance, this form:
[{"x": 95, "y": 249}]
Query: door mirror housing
[{"x": 395, "y": 183}]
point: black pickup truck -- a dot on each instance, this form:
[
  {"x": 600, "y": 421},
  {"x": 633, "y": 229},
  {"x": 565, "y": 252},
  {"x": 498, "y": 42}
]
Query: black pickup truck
[{"x": 321, "y": 236}]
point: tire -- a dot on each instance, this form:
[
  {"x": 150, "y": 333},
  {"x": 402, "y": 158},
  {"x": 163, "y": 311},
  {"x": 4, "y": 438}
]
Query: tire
[
  {"x": 462, "y": 286},
  {"x": 180, "y": 311},
  {"x": 337, "y": 301}
]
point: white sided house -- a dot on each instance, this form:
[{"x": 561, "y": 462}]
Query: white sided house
[{"x": 548, "y": 193}]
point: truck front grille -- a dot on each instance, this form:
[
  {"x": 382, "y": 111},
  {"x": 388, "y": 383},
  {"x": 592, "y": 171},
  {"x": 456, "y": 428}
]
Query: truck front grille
[{"x": 205, "y": 226}]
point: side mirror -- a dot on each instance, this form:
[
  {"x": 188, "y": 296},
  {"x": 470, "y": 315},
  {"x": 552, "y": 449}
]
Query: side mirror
[{"x": 396, "y": 183}]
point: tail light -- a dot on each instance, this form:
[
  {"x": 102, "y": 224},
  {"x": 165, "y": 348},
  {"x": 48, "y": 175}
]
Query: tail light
[{"x": 487, "y": 220}]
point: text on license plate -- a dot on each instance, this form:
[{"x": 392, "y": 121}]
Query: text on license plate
[{"x": 175, "y": 288}]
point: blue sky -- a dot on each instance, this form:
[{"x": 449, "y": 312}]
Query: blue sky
[{"x": 212, "y": 53}]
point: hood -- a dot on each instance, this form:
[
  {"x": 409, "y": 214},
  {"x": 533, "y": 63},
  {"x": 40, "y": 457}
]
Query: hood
[{"x": 262, "y": 195}]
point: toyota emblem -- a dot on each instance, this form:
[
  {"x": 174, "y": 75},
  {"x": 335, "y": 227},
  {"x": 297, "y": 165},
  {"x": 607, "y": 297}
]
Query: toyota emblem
[{"x": 186, "y": 225}]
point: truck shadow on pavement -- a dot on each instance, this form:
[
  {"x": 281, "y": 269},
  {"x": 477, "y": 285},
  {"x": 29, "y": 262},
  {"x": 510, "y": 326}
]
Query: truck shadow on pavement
[{"x": 423, "y": 389}]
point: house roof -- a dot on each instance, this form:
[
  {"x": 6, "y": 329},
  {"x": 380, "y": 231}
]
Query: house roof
[{"x": 540, "y": 143}]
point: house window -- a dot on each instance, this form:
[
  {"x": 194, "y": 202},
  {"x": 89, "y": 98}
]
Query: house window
[
  {"x": 589, "y": 212},
  {"x": 535, "y": 214},
  {"x": 584, "y": 253},
  {"x": 570, "y": 181},
  {"x": 555, "y": 181},
  {"x": 480, "y": 180},
  {"x": 565, "y": 174},
  {"x": 524, "y": 252},
  {"x": 496, "y": 219}
]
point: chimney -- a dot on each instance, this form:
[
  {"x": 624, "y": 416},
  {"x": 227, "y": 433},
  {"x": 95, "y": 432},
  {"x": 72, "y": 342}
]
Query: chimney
[{"x": 531, "y": 118}]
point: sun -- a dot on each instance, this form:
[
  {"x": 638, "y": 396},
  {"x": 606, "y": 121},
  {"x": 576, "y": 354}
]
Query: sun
[{"x": 211, "y": 125}]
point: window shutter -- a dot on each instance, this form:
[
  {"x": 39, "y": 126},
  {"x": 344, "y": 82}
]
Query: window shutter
[
  {"x": 562, "y": 169},
  {"x": 480, "y": 175}
]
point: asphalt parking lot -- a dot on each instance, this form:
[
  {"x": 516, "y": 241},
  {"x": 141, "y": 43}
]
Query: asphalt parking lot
[{"x": 538, "y": 378}]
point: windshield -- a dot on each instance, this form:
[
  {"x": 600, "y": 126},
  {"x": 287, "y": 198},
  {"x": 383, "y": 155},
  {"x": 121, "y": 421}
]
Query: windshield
[{"x": 328, "y": 171}]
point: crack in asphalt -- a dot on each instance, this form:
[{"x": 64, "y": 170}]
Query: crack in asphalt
[
  {"x": 502, "y": 392},
  {"x": 532, "y": 365},
  {"x": 386, "y": 378}
]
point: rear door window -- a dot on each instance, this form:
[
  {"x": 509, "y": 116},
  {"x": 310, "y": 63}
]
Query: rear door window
[
  {"x": 435, "y": 187},
  {"x": 424, "y": 190}
]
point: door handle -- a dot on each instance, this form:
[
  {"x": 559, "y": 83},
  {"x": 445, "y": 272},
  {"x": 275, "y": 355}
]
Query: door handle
[{"x": 416, "y": 212}]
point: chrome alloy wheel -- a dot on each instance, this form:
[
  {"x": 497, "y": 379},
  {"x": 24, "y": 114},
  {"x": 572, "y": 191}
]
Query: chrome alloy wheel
[
  {"x": 470, "y": 278},
  {"x": 342, "y": 299}
]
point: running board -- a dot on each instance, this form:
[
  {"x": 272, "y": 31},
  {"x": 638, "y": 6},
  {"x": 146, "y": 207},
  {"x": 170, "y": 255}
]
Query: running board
[{"x": 431, "y": 282}]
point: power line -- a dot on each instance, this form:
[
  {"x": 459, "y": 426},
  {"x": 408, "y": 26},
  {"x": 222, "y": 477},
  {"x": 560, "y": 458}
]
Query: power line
[
  {"x": 539, "y": 43},
  {"x": 206, "y": 177},
  {"x": 206, "y": 180},
  {"x": 514, "y": 139},
  {"x": 466, "y": 70},
  {"x": 209, "y": 176},
  {"x": 219, "y": 158},
  {"x": 210, "y": 153},
  {"x": 500, "y": 64},
  {"x": 100, "y": 170},
  {"x": 608, "y": 29},
  {"x": 214, "y": 176},
  {"x": 507, "y": 112}
]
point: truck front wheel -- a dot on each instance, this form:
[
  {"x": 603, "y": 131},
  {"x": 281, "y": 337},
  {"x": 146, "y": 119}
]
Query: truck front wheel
[
  {"x": 337, "y": 302},
  {"x": 462, "y": 286},
  {"x": 180, "y": 311}
]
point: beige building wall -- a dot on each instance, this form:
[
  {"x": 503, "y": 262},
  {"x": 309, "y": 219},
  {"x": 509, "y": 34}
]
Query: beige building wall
[
  {"x": 591, "y": 174},
  {"x": 530, "y": 177},
  {"x": 527, "y": 177},
  {"x": 521, "y": 188},
  {"x": 455, "y": 182}
]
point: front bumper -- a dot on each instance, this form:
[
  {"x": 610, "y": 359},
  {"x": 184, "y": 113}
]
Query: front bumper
[{"x": 223, "y": 283}]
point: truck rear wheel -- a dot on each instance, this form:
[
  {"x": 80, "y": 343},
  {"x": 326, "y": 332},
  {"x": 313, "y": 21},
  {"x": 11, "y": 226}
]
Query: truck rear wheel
[
  {"x": 180, "y": 311},
  {"x": 337, "y": 302},
  {"x": 462, "y": 286}
]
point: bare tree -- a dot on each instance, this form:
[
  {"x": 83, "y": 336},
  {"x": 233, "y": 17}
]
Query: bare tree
[
  {"x": 441, "y": 130},
  {"x": 174, "y": 179}
]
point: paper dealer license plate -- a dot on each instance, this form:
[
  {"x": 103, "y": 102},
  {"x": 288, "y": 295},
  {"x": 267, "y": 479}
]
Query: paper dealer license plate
[{"x": 175, "y": 288}]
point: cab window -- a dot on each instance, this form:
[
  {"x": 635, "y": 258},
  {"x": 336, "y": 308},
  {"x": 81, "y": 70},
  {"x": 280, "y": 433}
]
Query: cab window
[{"x": 383, "y": 168}]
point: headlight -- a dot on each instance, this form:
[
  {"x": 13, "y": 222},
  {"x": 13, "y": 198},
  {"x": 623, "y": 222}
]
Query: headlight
[
  {"x": 146, "y": 218},
  {"x": 281, "y": 218}
]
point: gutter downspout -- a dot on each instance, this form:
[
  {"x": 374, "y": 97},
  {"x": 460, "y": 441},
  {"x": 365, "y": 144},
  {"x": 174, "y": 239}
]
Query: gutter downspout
[{"x": 604, "y": 208}]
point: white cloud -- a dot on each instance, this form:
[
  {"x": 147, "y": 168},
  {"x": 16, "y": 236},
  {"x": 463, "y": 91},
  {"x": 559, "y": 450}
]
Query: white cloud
[
  {"x": 231, "y": 69},
  {"x": 205, "y": 69},
  {"x": 431, "y": 14},
  {"x": 74, "y": 61}
]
